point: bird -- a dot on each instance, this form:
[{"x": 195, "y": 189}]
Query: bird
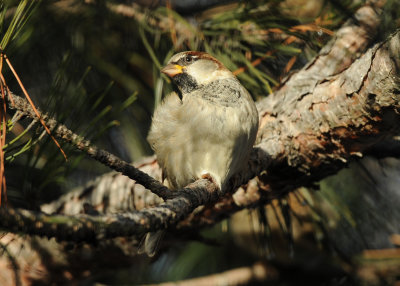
[{"x": 206, "y": 129}]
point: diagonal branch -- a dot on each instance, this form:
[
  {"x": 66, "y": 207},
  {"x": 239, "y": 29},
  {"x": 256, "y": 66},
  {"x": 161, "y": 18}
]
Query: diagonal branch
[{"x": 104, "y": 157}]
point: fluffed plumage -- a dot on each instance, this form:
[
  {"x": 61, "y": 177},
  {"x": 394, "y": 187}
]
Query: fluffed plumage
[
  {"x": 210, "y": 129},
  {"x": 205, "y": 130}
]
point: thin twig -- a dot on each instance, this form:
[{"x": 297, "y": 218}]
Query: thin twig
[
  {"x": 106, "y": 158},
  {"x": 33, "y": 106}
]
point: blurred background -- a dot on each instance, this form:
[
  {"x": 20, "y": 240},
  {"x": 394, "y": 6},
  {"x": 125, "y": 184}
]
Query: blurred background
[{"x": 95, "y": 67}]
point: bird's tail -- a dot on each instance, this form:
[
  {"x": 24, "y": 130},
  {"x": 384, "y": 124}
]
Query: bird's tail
[{"x": 150, "y": 243}]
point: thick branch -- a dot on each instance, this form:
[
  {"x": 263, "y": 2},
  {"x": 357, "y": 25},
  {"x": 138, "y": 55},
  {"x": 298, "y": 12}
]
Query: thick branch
[
  {"x": 318, "y": 120},
  {"x": 92, "y": 227},
  {"x": 109, "y": 193},
  {"x": 337, "y": 117}
]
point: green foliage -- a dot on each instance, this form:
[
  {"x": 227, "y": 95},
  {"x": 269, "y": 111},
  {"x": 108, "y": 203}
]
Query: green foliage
[
  {"x": 8, "y": 33},
  {"x": 23, "y": 11},
  {"x": 66, "y": 87},
  {"x": 97, "y": 71}
]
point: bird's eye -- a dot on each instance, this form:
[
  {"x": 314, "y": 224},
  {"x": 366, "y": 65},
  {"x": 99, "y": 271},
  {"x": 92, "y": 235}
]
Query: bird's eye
[{"x": 188, "y": 59}]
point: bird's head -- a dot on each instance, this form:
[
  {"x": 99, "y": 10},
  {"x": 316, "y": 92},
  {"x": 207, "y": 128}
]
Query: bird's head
[{"x": 191, "y": 70}]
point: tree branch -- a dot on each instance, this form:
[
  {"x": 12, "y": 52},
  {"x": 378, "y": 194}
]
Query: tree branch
[
  {"x": 61, "y": 131},
  {"x": 320, "y": 119},
  {"x": 93, "y": 227}
]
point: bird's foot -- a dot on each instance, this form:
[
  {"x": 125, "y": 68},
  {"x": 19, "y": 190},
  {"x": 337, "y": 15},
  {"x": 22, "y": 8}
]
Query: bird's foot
[{"x": 209, "y": 177}]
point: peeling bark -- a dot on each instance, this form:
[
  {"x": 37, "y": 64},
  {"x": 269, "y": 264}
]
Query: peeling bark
[{"x": 337, "y": 117}]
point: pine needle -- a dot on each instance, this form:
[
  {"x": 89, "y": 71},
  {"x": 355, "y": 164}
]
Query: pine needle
[
  {"x": 33, "y": 106},
  {"x": 2, "y": 138},
  {"x": 254, "y": 63},
  {"x": 290, "y": 64}
]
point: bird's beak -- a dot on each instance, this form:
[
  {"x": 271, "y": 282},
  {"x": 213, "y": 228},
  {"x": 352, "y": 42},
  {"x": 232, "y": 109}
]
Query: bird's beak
[{"x": 172, "y": 70}]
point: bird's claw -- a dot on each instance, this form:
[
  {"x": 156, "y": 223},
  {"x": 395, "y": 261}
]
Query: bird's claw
[{"x": 209, "y": 177}]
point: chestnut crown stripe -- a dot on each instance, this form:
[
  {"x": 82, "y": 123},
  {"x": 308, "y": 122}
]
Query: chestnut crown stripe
[{"x": 194, "y": 56}]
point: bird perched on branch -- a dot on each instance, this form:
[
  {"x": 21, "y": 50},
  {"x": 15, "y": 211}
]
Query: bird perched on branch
[{"x": 207, "y": 129}]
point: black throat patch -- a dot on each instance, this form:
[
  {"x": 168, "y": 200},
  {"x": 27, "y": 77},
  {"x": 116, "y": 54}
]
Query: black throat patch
[{"x": 185, "y": 82}]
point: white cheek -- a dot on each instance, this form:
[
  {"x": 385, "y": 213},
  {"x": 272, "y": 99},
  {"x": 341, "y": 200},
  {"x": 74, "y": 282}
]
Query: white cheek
[
  {"x": 204, "y": 77},
  {"x": 202, "y": 71},
  {"x": 205, "y": 72}
]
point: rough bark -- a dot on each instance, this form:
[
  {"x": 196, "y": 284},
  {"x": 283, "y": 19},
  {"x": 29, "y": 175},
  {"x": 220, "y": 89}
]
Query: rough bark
[{"x": 320, "y": 118}]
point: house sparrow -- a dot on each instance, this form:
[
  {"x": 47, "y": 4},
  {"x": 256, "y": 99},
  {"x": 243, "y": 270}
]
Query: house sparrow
[{"x": 208, "y": 130}]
